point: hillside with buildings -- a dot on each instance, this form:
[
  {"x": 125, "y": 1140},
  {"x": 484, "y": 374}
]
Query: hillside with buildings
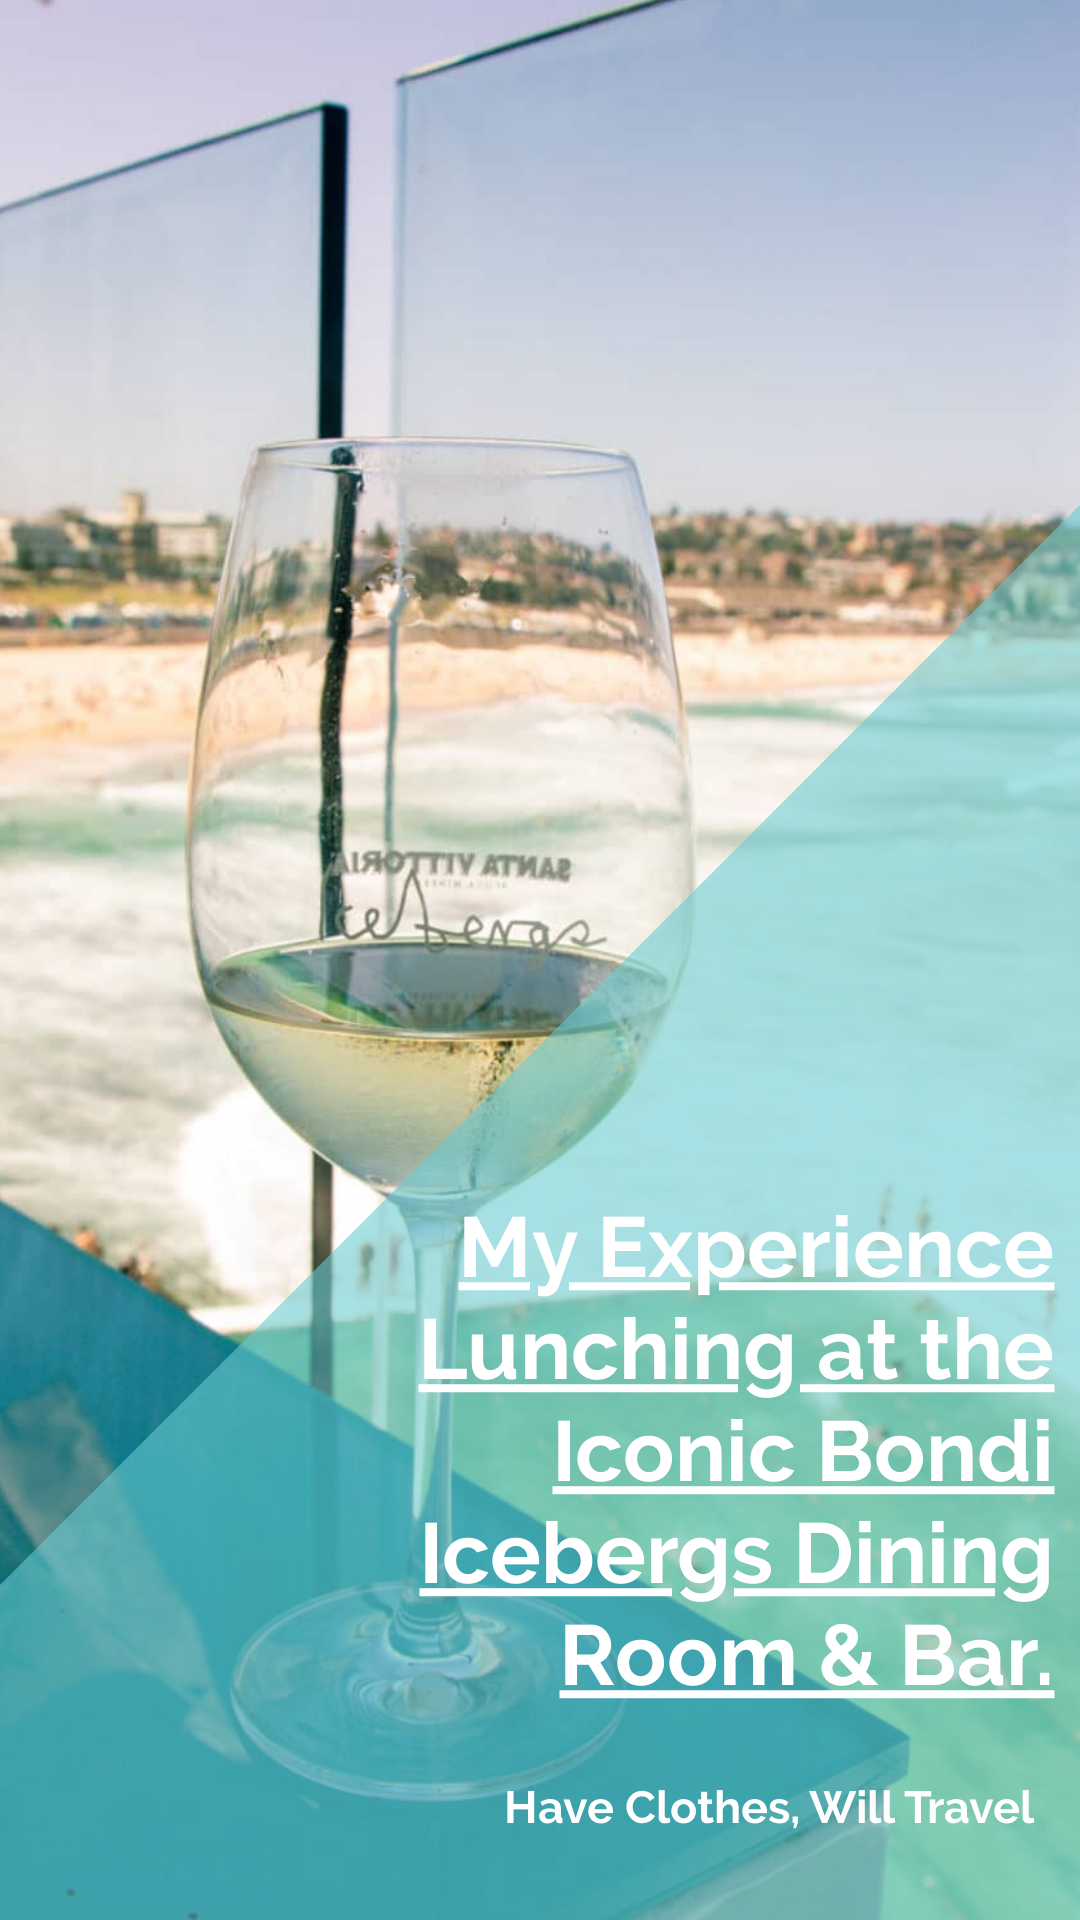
[
  {"x": 786, "y": 572},
  {"x": 140, "y": 572}
]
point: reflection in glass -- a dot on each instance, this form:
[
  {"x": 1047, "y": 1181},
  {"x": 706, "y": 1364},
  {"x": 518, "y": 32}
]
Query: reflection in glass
[
  {"x": 154, "y": 323},
  {"x": 161, "y": 318},
  {"x": 439, "y": 799}
]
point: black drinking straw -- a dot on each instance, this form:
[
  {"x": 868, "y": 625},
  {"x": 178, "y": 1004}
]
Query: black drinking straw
[{"x": 339, "y": 625}]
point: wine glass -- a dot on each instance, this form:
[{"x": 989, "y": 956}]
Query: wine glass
[{"x": 439, "y": 797}]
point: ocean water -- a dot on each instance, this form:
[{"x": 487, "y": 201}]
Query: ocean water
[{"x": 123, "y": 1111}]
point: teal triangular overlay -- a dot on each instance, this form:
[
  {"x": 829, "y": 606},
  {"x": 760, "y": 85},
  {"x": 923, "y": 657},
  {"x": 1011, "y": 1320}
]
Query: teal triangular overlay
[{"x": 876, "y": 1020}]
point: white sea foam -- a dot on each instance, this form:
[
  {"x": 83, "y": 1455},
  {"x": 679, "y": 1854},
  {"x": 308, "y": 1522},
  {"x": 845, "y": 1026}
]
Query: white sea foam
[
  {"x": 247, "y": 1179},
  {"x": 123, "y": 1109}
]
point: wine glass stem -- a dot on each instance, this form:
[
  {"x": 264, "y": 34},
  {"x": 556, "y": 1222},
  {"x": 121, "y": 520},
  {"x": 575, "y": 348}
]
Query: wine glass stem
[{"x": 429, "y": 1626}]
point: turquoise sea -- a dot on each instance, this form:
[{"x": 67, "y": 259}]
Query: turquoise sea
[{"x": 124, "y": 1112}]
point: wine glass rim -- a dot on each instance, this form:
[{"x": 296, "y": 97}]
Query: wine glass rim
[{"x": 537, "y": 458}]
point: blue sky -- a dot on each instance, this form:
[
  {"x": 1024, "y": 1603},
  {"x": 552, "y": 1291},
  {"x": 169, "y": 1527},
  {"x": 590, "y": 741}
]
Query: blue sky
[
  {"x": 818, "y": 256},
  {"x": 814, "y": 253},
  {"x": 92, "y": 84}
]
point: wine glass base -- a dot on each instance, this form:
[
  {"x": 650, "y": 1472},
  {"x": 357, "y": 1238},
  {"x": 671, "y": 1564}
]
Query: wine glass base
[{"x": 323, "y": 1692}]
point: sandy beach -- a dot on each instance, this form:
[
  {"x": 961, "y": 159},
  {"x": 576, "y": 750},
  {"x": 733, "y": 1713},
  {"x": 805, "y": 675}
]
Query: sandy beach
[
  {"x": 97, "y": 694},
  {"x": 102, "y": 694}
]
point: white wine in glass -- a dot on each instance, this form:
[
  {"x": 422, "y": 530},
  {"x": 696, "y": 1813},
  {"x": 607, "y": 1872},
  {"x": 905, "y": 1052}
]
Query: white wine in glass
[
  {"x": 439, "y": 798},
  {"x": 378, "y": 1053}
]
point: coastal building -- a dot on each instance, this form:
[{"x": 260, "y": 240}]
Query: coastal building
[
  {"x": 897, "y": 579},
  {"x": 186, "y": 544},
  {"x": 39, "y": 546},
  {"x": 194, "y": 543}
]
